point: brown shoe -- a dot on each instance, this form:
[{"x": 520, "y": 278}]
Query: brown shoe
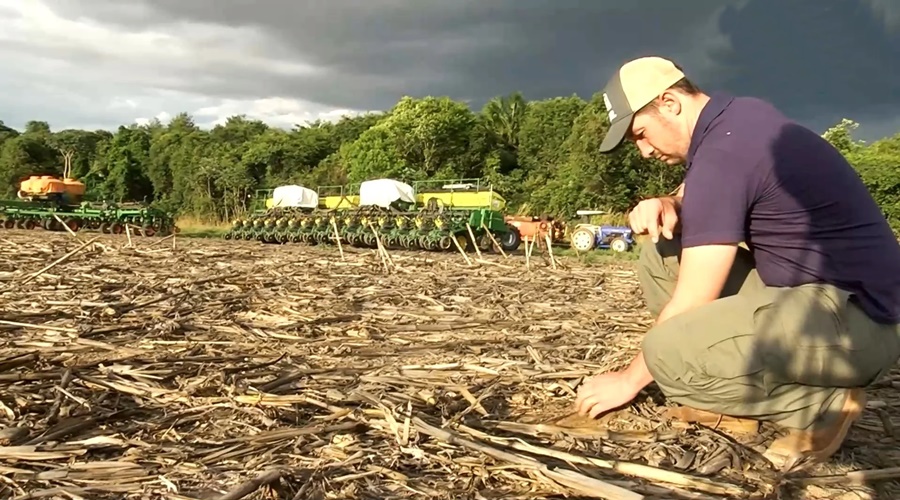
[
  {"x": 819, "y": 444},
  {"x": 713, "y": 420}
]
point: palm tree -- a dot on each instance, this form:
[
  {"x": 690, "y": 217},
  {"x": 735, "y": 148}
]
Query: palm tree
[{"x": 503, "y": 117}]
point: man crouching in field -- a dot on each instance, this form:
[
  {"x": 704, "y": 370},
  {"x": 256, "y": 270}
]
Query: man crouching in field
[{"x": 790, "y": 331}]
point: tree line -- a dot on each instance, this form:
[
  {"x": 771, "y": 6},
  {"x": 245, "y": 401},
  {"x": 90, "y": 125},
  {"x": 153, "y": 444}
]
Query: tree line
[{"x": 541, "y": 155}]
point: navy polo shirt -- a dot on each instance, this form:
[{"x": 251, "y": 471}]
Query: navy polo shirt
[{"x": 755, "y": 176}]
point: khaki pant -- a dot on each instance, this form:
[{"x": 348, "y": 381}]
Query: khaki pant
[{"x": 786, "y": 355}]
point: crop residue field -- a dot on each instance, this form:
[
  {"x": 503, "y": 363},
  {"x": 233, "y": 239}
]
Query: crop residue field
[{"x": 232, "y": 369}]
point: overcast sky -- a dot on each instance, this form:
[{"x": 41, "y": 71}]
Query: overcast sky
[{"x": 102, "y": 63}]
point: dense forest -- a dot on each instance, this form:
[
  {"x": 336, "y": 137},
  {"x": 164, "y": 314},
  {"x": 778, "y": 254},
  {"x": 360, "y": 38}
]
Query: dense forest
[{"x": 541, "y": 155}]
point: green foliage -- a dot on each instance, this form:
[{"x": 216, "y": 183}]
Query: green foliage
[
  {"x": 545, "y": 128},
  {"x": 26, "y": 154},
  {"x": 541, "y": 155},
  {"x": 841, "y": 137},
  {"x": 588, "y": 178},
  {"x": 877, "y": 165}
]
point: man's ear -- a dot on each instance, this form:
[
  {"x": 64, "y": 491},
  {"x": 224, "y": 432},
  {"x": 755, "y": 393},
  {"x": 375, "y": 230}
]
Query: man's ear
[{"x": 670, "y": 102}]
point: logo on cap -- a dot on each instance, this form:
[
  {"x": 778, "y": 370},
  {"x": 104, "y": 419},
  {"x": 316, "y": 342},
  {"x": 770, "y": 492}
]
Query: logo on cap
[{"x": 610, "y": 111}]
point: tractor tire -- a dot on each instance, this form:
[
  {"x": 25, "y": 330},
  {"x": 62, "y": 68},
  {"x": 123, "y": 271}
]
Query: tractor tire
[
  {"x": 510, "y": 240},
  {"x": 618, "y": 245},
  {"x": 583, "y": 240}
]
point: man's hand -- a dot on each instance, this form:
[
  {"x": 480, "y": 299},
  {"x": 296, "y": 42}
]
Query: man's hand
[
  {"x": 655, "y": 216},
  {"x": 606, "y": 391},
  {"x": 704, "y": 271}
]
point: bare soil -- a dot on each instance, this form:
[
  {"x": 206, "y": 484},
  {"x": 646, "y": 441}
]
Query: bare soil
[{"x": 222, "y": 369}]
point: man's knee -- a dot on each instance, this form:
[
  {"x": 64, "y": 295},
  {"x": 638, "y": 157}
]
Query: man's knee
[
  {"x": 658, "y": 272},
  {"x": 666, "y": 354},
  {"x": 659, "y": 255},
  {"x": 654, "y": 349},
  {"x": 699, "y": 347}
]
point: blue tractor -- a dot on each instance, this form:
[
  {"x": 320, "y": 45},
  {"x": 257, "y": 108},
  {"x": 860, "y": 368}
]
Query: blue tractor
[{"x": 587, "y": 236}]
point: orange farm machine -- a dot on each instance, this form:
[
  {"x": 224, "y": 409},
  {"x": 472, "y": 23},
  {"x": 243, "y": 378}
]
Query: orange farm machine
[
  {"x": 52, "y": 203},
  {"x": 534, "y": 228}
]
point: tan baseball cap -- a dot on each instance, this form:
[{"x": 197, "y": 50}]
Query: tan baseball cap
[{"x": 635, "y": 84}]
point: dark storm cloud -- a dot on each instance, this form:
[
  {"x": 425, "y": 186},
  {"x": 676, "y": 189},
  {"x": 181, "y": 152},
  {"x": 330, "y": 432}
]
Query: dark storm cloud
[
  {"x": 817, "y": 60},
  {"x": 377, "y": 50}
]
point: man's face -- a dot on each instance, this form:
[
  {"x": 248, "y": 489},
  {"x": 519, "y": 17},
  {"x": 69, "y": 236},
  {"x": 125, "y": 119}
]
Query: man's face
[{"x": 660, "y": 132}]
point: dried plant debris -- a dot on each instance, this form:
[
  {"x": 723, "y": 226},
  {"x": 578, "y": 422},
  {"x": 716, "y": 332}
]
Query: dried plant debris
[{"x": 226, "y": 369}]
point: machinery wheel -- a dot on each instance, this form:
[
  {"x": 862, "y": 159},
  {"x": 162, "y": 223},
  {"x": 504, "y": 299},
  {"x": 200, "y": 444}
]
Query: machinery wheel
[
  {"x": 582, "y": 239},
  {"x": 618, "y": 244},
  {"x": 510, "y": 240},
  {"x": 485, "y": 244},
  {"x": 29, "y": 224},
  {"x": 9, "y": 224},
  {"x": 445, "y": 243},
  {"x": 465, "y": 243}
]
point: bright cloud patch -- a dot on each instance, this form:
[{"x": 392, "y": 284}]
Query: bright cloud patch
[
  {"x": 277, "y": 111},
  {"x": 77, "y": 72}
]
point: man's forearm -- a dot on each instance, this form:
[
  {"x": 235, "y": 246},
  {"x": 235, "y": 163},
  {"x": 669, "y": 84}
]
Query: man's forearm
[
  {"x": 638, "y": 373},
  {"x": 678, "y": 193},
  {"x": 673, "y": 308},
  {"x": 678, "y": 197}
]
